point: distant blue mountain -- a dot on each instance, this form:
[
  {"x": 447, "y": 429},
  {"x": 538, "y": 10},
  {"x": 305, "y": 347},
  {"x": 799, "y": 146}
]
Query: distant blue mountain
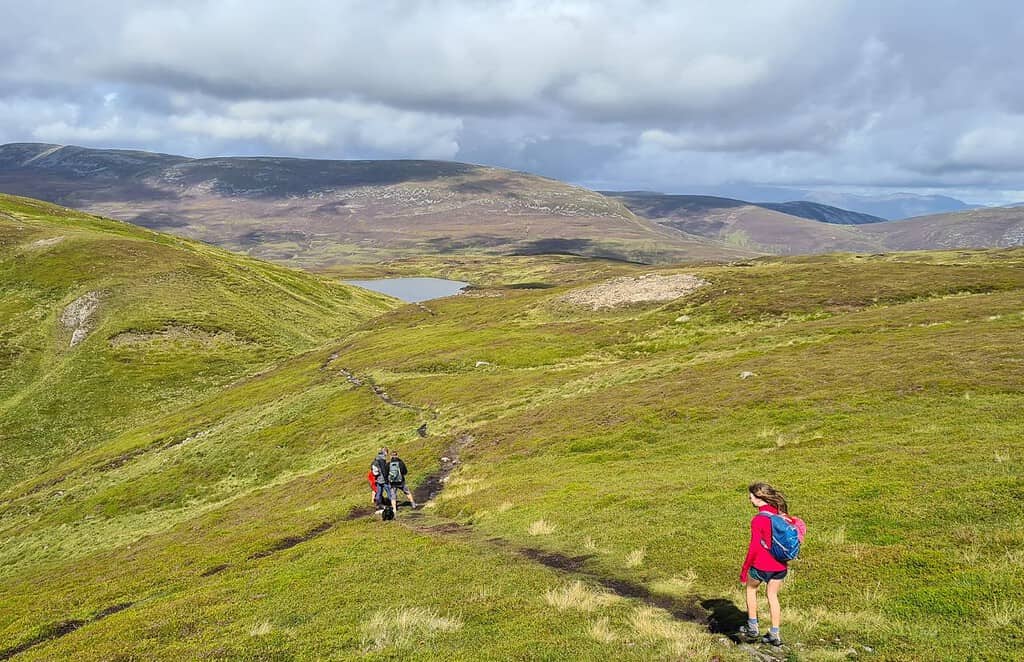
[
  {"x": 892, "y": 206},
  {"x": 888, "y": 206},
  {"x": 819, "y": 212}
]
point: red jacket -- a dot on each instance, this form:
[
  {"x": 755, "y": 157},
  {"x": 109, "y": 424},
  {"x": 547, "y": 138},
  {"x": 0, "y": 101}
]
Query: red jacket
[
  {"x": 758, "y": 555},
  {"x": 373, "y": 481}
]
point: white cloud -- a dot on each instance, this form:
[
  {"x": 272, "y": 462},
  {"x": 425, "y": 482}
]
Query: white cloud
[{"x": 642, "y": 92}]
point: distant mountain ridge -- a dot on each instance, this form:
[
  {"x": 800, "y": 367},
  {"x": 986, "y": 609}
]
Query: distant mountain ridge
[
  {"x": 893, "y": 206},
  {"x": 820, "y": 212},
  {"x": 751, "y": 225},
  {"x": 759, "y": 227},
  {"x": 314, "y": 213}
]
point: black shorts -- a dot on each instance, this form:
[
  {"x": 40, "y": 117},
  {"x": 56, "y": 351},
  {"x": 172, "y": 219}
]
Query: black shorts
[{"x": 765, "y": 576}]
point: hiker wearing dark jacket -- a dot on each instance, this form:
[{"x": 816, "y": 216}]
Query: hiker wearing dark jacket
[
  {"x": 396, "y": 476},
  {"x": 379, "y": 468}
]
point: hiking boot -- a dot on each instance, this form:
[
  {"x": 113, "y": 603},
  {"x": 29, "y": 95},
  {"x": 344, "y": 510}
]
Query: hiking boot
[
  {"x": 749, "y": 633},
  {"x": 773, "y": 639}
]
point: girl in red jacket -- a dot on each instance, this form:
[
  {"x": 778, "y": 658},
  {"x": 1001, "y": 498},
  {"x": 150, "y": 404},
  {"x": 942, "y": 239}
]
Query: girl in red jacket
[
  {"x": 373, "y": 485},
  {"x": 760, "y": 567}
]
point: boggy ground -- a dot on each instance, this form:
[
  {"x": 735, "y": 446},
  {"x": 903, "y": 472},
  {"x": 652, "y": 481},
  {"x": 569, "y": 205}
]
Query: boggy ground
[{"x": 597, "y": 510}]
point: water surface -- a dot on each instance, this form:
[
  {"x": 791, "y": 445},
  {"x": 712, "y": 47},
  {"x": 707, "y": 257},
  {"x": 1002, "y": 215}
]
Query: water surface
[{"x": 412, "y": 290}]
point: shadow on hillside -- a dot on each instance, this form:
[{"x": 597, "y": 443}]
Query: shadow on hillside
[{"x": 726, "y": 618}]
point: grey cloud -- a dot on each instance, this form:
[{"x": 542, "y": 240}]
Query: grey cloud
[{"x": 642, "y": 94}]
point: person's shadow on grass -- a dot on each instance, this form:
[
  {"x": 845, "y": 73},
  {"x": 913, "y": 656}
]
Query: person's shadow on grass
[{"x": 726, "y": 618}]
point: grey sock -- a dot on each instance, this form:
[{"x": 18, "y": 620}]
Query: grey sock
[
  {"x": 751, "y": 623},
  {"x": 774, "y": 631}
]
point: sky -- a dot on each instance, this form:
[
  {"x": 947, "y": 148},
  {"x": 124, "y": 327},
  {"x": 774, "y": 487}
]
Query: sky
[{"x": 681, "y": 96}]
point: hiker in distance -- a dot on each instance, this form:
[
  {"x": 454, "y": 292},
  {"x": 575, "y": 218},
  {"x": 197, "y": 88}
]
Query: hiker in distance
[
  {"x": 383, "y": 497},
  {"x": 775, "y": 538},
  {"x": 396, "y": 476},
  {"x": 372, "y": 479}
]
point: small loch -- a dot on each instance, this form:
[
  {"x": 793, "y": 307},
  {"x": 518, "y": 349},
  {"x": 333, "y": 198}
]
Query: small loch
[{"x": 412, "y": 290}]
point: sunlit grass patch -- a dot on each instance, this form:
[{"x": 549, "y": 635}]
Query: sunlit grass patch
[
  {"x": 635, "y": 559},
  {"x": 677, "y": 585},
  {"x": 540, "y": 528},
  {"x": 809, "y": 622},
  {"x": 458, "y": 488},
  {"x": 682, "y": 638},
  {"x": 1004, "y": 613},
  {"x": 832, "y": 537},
  {"x": 591, "y": 546},
  {"x": 601, "y": 630},
  {"x": 577, "y": 595},
  {"x": 400, "y": 628},
  {"x": 261, "y": 629}
]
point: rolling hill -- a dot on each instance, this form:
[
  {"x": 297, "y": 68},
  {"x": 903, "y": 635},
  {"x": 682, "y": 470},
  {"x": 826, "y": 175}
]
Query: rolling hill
[
  {"x": 892, "y": 206},
  {"x": 744, "y": 224},
  {"x": 819, "y": 212},
  {"x": 760, "y": 227},
  {"x": 164, "y": 321},
  {"x": 187, "y": 480},
  {"x": 317, "y": 213},
  {"x": 989, "y": 226}
]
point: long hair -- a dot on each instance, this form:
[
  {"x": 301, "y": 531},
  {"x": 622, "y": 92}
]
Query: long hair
[{"x": 770, "y": 495}]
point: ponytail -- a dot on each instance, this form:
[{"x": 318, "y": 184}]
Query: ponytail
[{"x": 770, "y": 495}]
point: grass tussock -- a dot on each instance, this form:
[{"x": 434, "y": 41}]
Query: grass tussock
[
  {"x": 261, "y": 629},
  {"x": 577, "y": 596},
  {"x": 540, "y": 528},
  {"x": 635, "y": 559},
  {"x": 832, "y": 537},
  {"x": 678, "y": 585},
  {"x": 683, "y": 639},
  {"x": 1004, "y": 614},
  {"x": 816, "y": 620},
  {"x": 601, "y": 630},
  {"x": 401, "y": 628},
  {"x": 460, "y": 488}
]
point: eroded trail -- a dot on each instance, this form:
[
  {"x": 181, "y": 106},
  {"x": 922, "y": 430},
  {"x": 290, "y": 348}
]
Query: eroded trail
[
  {"x": 61, "y": 629},
  {"x": 719, "y": 615}
]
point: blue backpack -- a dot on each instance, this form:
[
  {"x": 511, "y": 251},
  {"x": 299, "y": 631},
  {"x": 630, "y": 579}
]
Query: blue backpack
[{"x": 785, "y": 539}]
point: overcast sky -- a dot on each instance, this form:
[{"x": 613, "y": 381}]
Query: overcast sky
[{"x": 677, "y": 96}]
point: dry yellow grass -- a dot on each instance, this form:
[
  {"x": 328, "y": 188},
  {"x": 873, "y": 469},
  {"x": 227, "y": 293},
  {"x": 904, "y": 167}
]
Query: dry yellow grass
[
  {"x": 590, "y": 545},
  {"x": 1004, "y": 613},
  {"x": 677, "y": 585},
  {"x": 540, "y": 528},
  {"x": 635, "y": 559},
  {"x": 459, "y": 488},
  {"x": 835, "y": 537},
  {"x": 261, "y": 629},
  {"x": 683, "y": 639},
  {"x": 601, "y": 630},
  {"x": 400, "y": 628},
  {"x": 577, "y": 595}
]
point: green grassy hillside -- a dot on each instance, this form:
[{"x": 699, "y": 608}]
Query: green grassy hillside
[
  {"x": 597, "y": 509},
  {"x": 105, "y": 325}
]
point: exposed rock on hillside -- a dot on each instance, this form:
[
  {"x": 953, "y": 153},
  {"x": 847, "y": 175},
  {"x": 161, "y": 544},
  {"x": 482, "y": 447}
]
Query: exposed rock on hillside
[
  {"x": 625, "y": 290},
  {"x": 77, "y": 316}
]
